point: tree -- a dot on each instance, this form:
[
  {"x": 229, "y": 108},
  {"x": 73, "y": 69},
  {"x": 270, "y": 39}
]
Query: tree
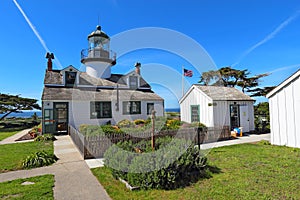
[
  {"x": 229, "y": 77},
  {"x": 257, "y": 92},
  {"x": 15, "y": 103}
]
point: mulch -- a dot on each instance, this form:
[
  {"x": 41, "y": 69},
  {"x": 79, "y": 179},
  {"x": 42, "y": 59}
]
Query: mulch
[{"x": 25, "y": 137}]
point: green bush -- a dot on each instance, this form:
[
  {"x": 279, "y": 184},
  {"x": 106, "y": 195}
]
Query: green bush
[
  {"x": 175, "y": 163},
  {"x": 39, "y": 159},
  {"x": 125, "y": 123},
  {"x": 139, "y": 121},
  {"x": 45, "y": 137}
]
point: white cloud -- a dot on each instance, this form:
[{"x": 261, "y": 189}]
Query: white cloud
[{"x": 268, "y": 37}]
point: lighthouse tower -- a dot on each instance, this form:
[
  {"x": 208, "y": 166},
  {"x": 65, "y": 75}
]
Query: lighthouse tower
[{"x": 98, "y": 58}]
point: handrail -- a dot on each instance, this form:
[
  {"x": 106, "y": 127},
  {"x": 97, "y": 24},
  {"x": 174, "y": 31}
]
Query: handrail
[{"x": 97, "y": 52}]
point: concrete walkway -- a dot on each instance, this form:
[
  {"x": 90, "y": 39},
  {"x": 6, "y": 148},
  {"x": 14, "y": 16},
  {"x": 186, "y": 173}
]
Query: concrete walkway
[
  {"x": 73, "y": 178},
  {"x": 13, "y": 138},
  {"x": 239, "y": 140}
]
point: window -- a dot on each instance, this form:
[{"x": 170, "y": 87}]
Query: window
[
  {"x": 70, "y": 78},
  {"x": 195, "y": 114},
  {"x": 133, "y": 82},
  {"x": 48, "y": 116},
  {"x": 100, "y": 110},
  {"x": 150, "y": 107},
  {"x": 131, "y": 107}
]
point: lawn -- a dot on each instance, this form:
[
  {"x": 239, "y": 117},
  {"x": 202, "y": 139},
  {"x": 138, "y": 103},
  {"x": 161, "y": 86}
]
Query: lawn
[
  {"x": 248, "y": 171},
  {"x": 5, "y": 133},
  {"x": 13, "y": 154},
  {"x": 42, "y": 189}
]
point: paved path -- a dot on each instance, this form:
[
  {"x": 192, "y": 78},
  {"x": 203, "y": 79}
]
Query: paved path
[
  {"x": 239, "y": 140},
  {"x": 73, "y": 178},
  {"x": 16, "y": 136}
]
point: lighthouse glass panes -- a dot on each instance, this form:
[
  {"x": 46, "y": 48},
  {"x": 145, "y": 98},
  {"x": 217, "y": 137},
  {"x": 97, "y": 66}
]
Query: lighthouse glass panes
[{"x": 99, "y": 42}]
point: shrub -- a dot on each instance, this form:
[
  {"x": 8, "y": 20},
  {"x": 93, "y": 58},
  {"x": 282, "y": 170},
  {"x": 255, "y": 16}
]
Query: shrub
[
  {"x": 139, "y": 121},
  {"x": 125, "y": 123},
  {"x": 175, "y": 164},
  {"x": 45, "y": 137},
  {"x": 173, "y": 124},
  {"x": 39, "y": 159}
]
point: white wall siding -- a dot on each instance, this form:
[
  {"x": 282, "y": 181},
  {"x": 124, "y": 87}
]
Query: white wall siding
[
  {"x": 222, "y": 114},
  {"x": 79, "y": 113},
  {"x": 195, "y": 97},
  {"x": 285, "y": 115}
]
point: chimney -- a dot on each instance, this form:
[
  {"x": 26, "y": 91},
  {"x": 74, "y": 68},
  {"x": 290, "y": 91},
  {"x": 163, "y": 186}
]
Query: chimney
[
  {"x": 138, "y": 68},
  {"x": 49, "y": 56}
]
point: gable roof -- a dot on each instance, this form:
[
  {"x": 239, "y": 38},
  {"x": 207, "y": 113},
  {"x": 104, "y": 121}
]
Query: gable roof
[
  {"x": 55, "y": 77},
  {"x": 219, "y": 93},
  {"x": 82, "y": 94},
  {"x": 284, "y": 83}
]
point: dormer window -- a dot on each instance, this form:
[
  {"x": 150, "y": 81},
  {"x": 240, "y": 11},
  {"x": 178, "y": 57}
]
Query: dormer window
[
  {"x": 70, "y": 78},
  {"x": 133, "y": 82}
]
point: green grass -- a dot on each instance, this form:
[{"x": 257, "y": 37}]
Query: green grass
[
  {"x": 248, "y": 171},
  {"x": 13, "y": 154},
  {"x": 42, "y": 189},
  {"x": 5, "y": 133}
]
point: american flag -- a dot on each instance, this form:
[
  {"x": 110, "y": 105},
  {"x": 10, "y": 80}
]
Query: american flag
[{"x": 187, "y": 72}]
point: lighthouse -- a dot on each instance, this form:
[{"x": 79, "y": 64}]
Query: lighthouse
[{"x": 98, "y": 58}]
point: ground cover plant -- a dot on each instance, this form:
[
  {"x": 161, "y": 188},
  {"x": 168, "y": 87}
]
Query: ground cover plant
[
  {"x": 41, "y": 189},
  {"x": 175, "y": 163},
  {"x": 12, "y": 155},
  {"x": 247, "y": 171}
]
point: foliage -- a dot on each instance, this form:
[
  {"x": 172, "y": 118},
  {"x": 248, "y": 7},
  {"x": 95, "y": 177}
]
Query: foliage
[
  {"x": 15, "y": 103},
  {"x": 230, "y": 77},
  {"x": 39, "y": 159},
  {"x": 245, "y": 171},
  {"x": 139, "y": 122},
  {"x": 12, "y": 155},
  {"x": 41, "y": 189},
  {"x": 45, "y": 137},
  {"x": 175, "y": 163},
  {"x": 125, "y": 123},
  {"x": 173, "y": 124},
  {"x": 262, "y": 117},
  {"x": 257, "y": 92}
]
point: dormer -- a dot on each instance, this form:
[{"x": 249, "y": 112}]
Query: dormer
[
  {"x": 133, "y": 80},
  {"x": 70, "y": 76}
]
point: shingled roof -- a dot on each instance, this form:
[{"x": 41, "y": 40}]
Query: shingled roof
[
  {"x": 55, "y": 77},
  {"x": 218, "y": 93},
  {"x": 82, "y": 94}
]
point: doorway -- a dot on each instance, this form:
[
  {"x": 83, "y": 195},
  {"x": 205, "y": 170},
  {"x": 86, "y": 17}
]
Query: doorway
[
  {"x": 234, "y": 116},
  {"x": 61, "y": 117}
]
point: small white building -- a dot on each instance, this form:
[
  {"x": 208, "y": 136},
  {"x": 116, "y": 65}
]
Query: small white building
[
  {"x": 218, "y": 106},
  {"x": 284, "y": 104},
  {"x": 73, "y": 97}
]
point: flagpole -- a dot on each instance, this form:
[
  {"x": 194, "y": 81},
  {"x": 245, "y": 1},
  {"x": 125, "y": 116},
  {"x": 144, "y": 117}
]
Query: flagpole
[{"x": 182, "y": 84}]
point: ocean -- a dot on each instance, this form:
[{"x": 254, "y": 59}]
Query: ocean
[
  {"x": 28, "y": 114},
  {"x": 24, "y": 114}
]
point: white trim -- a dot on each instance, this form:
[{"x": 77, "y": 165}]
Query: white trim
[{"x": 283, "y": 84}]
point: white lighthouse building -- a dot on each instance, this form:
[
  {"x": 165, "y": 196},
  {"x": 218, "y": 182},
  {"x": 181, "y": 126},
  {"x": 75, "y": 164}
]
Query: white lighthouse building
[{"x": 98, "y": 58}]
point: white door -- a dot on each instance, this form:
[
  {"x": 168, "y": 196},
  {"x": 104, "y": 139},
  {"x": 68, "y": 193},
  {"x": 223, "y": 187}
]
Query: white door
[{"x": 244, "y": 117}]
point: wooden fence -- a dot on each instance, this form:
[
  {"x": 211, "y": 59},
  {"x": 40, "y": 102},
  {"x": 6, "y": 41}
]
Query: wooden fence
[{"x": 95, "y": 146}]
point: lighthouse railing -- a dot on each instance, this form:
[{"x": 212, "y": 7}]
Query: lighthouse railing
[{"x": 98, "y": 53}]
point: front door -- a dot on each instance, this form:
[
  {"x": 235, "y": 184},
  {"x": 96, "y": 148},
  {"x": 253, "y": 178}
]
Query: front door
[
  {"x": 234, "y": 116},
  {"x": 61, "y": 117}
]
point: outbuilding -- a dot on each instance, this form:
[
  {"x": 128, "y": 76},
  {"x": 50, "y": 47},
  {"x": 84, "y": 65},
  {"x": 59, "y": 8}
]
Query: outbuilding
[
  {"x": 284, "y": 104},
  {"x": 217, "y": 107}
]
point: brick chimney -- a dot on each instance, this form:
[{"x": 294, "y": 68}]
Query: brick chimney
[
  {"x": 138, "y": 68},
  {"x": 49, "y": 56}
]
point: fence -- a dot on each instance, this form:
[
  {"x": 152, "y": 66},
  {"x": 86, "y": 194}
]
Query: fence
[{"x": 95, "y": 146}]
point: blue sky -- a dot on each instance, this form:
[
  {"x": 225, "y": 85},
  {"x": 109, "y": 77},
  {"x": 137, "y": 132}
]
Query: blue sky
[{"x": 262, "y": 36}]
